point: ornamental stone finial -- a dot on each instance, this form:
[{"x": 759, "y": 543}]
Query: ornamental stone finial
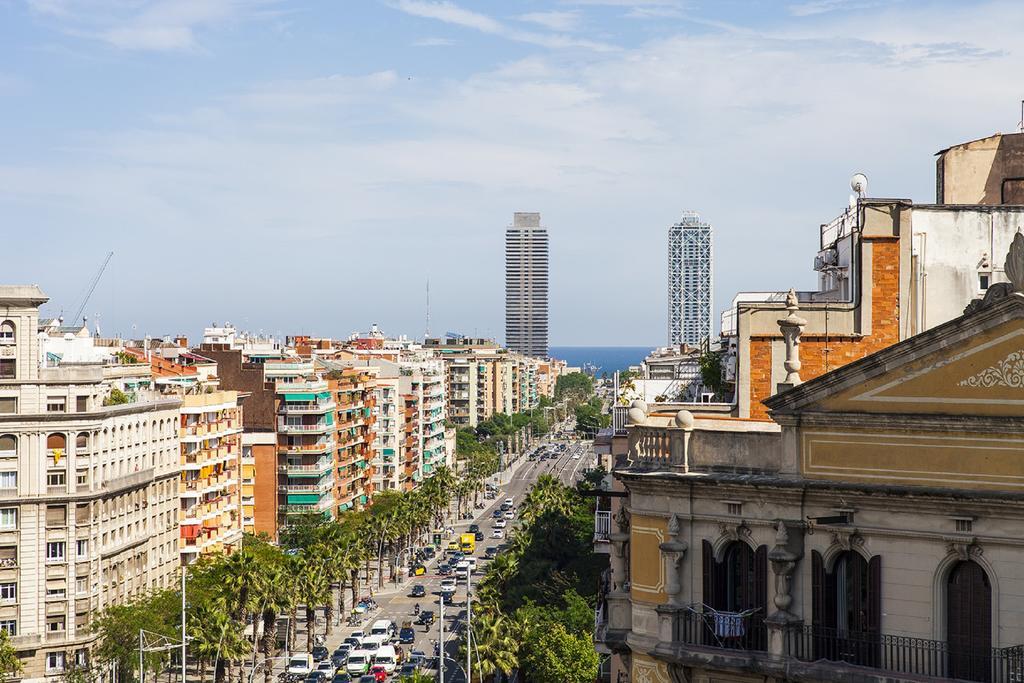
[
  {"x": 792, "y": 325},
  {"x": 1014, "y": 265}
]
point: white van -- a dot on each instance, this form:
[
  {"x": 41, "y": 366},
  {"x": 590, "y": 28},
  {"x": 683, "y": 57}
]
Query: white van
[
  {"x": 300, "y": 664},
  {"x": 385, "y": 656},
  {"x": 374, "y": 641},
  {"x": 383, "y": 627},
  {"x": 359, "y": 662}
]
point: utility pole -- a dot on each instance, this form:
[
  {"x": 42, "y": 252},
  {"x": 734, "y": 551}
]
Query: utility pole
[
  {"x": 142, "y": 666},
  {"x": 440, "y": 642},
  {"x": 469, "y": 627},
  {"x": 184, "y": 638}
]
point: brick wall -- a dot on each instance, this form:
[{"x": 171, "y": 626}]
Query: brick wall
[
  {"x": 817, "y": 357},
  {"x": 265, "y": 489}
]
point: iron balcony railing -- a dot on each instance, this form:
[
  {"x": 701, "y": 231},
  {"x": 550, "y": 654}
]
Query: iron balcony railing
[
  {"x": 602, "y": 525},
  {"x": 703, "y": 626},
  {"x": 970, "y": 661}
]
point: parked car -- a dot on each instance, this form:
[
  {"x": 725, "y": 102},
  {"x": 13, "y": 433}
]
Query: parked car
[
  {"x": 408, "y": 669},
  {"x": 367, "y": 678},
  {"x": 300, "y": 664},
  {"x": 380, "y": 674},
  {"x": 444, "y": 569},
  {"x": 320, "y": 653},
  {"x": 387, "y": 658},
  {"x": 316, "y": 677},
  {"x": 341, "y": 677},
  {"x": 418, "y": 591},
  {"x": 497, "y": 513},
  {"x": 327, "y": 667},
  {"x": 510, "y": 514},
  {"x": 500, "y": 523},
  {"x": 406, "y": 634},
  {"x": 497, "y": 533},
  {"x": 473, "y": 528},
  {"x": 491, "y": 552},
  {"x": 479, "y": 535},
  {"x": 447, "y": 586},
  {"x": 359, "y": 662},
  {"x": 339, "y": 656}
]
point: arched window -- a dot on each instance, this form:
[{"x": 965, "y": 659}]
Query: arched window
[
  {"x": 969, "y": 622},
  {"x": 846, "y": 608},
  {"x": 6, "y": 333},
  {"x": 8, "y": 445},
  {"x": 56, "y": 441},
  {"x": 738, "y": 584},
  {"x": 82, "y": 442}
]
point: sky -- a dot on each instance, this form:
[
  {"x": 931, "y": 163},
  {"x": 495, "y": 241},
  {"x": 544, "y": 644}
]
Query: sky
[{"x": 306, "y": 167}]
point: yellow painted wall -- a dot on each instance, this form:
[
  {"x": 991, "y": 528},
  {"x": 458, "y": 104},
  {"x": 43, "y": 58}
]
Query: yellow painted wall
[{"x": 646, "y": 568}]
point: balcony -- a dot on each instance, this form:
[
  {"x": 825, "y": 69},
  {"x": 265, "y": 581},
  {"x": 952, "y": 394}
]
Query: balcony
[
  {"x": 321, "y": 486},
  {"x": 602, "y": 526},
  {"x": 319, "y": 467},
  {"x": 311, "y": 428},
  {"x": 731, "y": 641},
  {"x": 293, "y": 408},
  {"x": 307, "y": 449}
]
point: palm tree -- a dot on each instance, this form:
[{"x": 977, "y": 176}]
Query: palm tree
[
  {"x": 314, "y": 589},
  {"x": 496, "y": 644}
]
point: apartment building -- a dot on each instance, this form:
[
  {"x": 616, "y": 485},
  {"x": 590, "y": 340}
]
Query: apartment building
[
  {"x": 868, "y": 531},
  {"x": 354, "y": 390},
  {"x": 887, "y": 269},
  {"x": 526, "y": 285},
  {"x": 210, "y": 514},
  {"x": 89, "y": 485}
]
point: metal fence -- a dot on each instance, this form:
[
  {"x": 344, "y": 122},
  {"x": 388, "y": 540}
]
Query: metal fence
[{"x": 903, "y": 654}]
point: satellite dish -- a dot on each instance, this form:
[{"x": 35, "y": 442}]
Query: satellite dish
[{"x": 859, "y": 184}]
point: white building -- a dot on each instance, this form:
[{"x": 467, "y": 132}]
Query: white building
[
  {"x": 690, "y": 260},
  {"x": 88, "y": 489},
  {"x": 526, "y": 286}
]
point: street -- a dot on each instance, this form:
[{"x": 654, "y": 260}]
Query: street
[{"x": 396, "y": 604}]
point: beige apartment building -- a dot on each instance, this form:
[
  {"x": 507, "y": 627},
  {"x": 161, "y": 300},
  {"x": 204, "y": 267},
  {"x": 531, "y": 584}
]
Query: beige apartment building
[
  {"x": 88, "y": 490},
  {"x": 868, "y": 531}
]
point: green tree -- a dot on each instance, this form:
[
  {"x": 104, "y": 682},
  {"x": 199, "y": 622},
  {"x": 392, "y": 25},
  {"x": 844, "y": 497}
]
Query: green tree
[
  {"x": 118, "y": 629},
  {"x": 574, "y": 387},
  {"x": 710, "y": 364},
  {"x": 9, "y": 662},
  {"x": 554, "y": 655},
  {"x": 116, "y": 398}
]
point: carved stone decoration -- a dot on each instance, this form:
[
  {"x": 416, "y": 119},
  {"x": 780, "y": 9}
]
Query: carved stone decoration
[
  {"x": 1014, "y": 264},
  {"x": 1008, "y": 372},
  {"x": 622, "y": 519},
  {"x": 674, "y": 551},
  {"x": 791, "y": 326},
  {"x": 784, "y": 557},
  {"x": 734, "y": 532},
  {"x": 1014, "y": 269},
  {"x": 847, "y": 540},
  {"x": 965, "y": 550}
]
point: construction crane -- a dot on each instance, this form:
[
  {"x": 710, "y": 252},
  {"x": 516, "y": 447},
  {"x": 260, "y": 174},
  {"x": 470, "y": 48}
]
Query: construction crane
[{"x": 92, "y": 287}]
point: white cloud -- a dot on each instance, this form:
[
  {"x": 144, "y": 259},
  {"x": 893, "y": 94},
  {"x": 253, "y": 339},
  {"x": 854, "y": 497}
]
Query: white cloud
[
  {"x": 433, "y": 42},
  {"x": 450, "y": 13},
  {"x": 350, "y": 173},
  {"x": 153, "y": 25},
  {"x": 813, "y": 7},
  {"x": 555, "y": 21}
]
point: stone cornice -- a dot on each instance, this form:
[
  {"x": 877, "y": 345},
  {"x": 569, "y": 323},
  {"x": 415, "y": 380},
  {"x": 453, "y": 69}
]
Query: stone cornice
[
  {"x": 92, "y": 415},
  {"x": 904, "y": 422}
]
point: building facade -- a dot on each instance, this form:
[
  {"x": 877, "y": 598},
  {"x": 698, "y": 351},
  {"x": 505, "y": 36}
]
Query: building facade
[
  {"x": 89, "y": 490},
  {"x": 210, "y": 515},
  {"x": 690, "y": 272},
  {"x": 526, "y": 286},
  {"x": 867, "y": 532}
]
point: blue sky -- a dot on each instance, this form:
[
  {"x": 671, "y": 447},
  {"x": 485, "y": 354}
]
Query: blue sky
[{"x": 305, "y": 167}]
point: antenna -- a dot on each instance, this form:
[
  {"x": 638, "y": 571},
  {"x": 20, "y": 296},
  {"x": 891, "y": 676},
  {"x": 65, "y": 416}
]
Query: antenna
[
  {"x": 426, "y": 333},
  {"x": 1020, "y": 124}
]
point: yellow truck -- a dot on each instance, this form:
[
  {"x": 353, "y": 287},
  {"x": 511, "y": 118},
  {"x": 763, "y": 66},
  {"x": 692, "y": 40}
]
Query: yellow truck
[{"x": 468, "y": 543}]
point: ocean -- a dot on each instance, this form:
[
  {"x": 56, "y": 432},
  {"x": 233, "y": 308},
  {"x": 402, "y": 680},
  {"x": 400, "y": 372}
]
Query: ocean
[{"x": 604, "y": 358}]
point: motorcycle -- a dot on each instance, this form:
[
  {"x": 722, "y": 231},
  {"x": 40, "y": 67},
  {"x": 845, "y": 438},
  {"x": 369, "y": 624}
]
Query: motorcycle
[{"x": 416, "y": 609}]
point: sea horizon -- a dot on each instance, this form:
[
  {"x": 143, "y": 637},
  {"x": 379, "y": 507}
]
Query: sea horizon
[{"x": 603, "y": 358}]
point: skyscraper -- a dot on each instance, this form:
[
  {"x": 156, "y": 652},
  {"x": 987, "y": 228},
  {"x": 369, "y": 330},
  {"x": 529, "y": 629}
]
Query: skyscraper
[
  {"x": 526, "y": 285},
  {"x": 689, "y": 280}
]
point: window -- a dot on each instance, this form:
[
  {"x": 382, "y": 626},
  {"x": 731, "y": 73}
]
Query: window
[
  {"x": 56, "y": 593},
  {"x": 56, "y": 404},
  {"x": 739, "y": 583},
  {"x": 733, "y": 508},
  {"x": 82, "y": 442},
  {"x": 8, "y": 592},
  {"x": 8, "y": 405},
  {"x": 983, "y": 279},
  {"x": 8, "y": 518},
  {"x": 963, "y": 526},
  {"x": 54, "y": 662},
  {"x": 81, "y": 586},
  {"x": 6, "y": 333},
  {"x": 82, "y": 477},
  {"x": 81, "y": 548},
  {"x": 846, "y": 608},
  {"x": 55, "y": 551},
  {"x": 969, "y": 621},
  {"x": 82, "y": 657},
  {"x": 56, "y": 516},
  {"x": 7, "y": 368},
  {"x": 81, "y": 404},
  {"x": 9, "y": 480},
  {"x": 56, "y": 479},
  {"x": 9, "y": 625}
]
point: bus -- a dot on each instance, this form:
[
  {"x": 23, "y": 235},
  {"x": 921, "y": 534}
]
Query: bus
[{"x": 468, "y": 543}]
